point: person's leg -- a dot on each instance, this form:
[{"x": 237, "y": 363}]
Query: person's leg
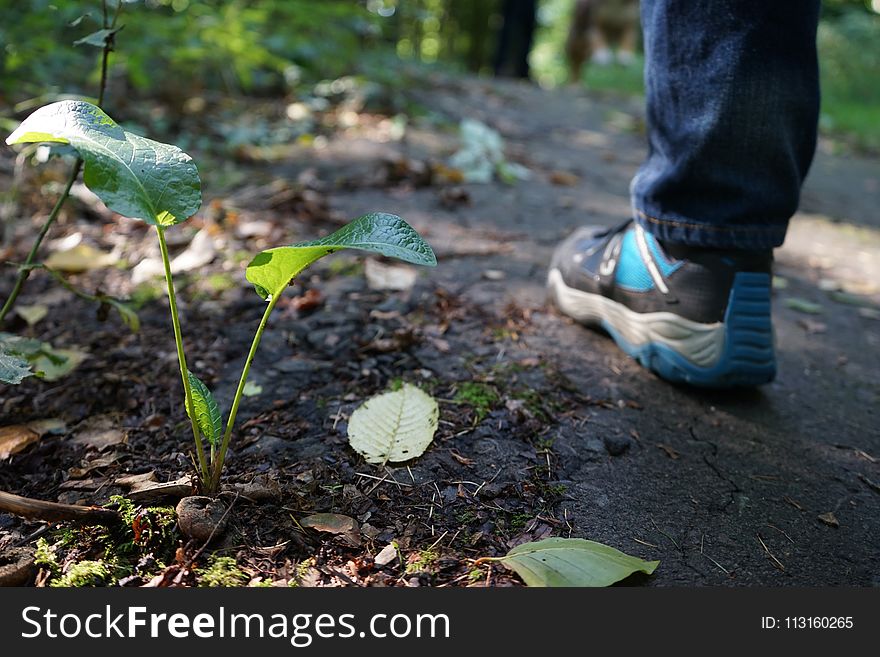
[
  {"x": 732, "y": 109},
  {"x": 732, "y": 97}
]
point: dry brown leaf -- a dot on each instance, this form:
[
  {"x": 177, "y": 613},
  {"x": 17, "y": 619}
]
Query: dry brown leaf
[
  {"x": 16, "y": 437},
  {"x": 671, "y": 453},
  {"x": 829, "y": 519},
  {"x": 310, "y": 300},
  {"x": 100, "y": 433},
  {"x": 149, "y": 490},
  {"x": 563, "y": 178},
  {"x": 134, "y": 480}
]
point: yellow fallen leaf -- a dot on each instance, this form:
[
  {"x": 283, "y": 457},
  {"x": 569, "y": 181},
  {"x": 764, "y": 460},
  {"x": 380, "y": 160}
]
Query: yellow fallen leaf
[
  {"x": 32, "y": 314},
  {"x": 79, "y": 259}
]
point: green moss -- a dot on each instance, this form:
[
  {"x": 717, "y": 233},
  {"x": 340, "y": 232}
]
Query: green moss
[
  {"x": 84, "y": 574},
  {"x": 424, "y": 562},
  {"x": 46, "y": 555},
  {"x": 302, "y": 569},
  {"x": 465, "y": 517},
  {"x": 149, "y": 528},
  {"x": 395, "y": 384},
  {"x": 481, "y": 396},
  {"x": 519, "y": 521},
  {"x": 221, "y": 571}
]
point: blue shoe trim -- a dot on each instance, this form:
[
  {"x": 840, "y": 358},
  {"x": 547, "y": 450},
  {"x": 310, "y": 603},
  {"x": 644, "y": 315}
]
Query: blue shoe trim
[
  {"x": 631, "y": 272},
  {"x": 666, "y": 267},
  {"x": 748, "y": 358}
]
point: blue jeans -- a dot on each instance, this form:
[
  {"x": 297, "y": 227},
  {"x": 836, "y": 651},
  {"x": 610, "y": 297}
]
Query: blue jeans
[{"x": 732, "y": 91}]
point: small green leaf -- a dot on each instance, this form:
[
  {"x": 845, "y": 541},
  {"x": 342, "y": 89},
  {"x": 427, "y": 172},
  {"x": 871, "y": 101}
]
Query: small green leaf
[
  {"x": 573, "y": 562},
  {"x": 126, "y": 313},
  {"x": 251, "y": 389},
  {"x": 136, "y": 177},
  {"x": 207, "y": 411},
  {"x": 97, "y": 38},
  {"x": 803, "y": 306},
  {"x": 13, "y": 368},
  {"x": 387, "y": 234}
]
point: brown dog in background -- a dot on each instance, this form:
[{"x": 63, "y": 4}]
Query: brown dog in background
[{"x": 598, "y": 29}]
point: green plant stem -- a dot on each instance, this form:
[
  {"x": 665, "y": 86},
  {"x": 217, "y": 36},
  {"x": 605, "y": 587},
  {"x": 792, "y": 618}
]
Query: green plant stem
[
  {"x": 74, "y": 174},
  {"x": 204, "y": 466},
  {"x": 25, "y": 271},
  {"x": 227, "y": 436},
  {"x": 98, "y": 298}
]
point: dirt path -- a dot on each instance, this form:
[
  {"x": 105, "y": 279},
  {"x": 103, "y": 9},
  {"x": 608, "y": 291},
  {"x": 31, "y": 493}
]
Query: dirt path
[
  {"x": 722, "y": 487},
  {"x": 574, "y": 438}
]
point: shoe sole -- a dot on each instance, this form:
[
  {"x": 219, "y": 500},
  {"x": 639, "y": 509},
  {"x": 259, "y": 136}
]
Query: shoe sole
[{"x": 736, "y": 352}]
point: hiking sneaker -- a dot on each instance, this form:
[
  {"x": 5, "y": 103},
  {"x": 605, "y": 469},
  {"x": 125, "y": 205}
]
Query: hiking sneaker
[{"x": 691, "y": 315}]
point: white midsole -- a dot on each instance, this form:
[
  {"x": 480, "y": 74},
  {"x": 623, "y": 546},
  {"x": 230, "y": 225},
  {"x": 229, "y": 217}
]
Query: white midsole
[{"x": 702, "y": 344}]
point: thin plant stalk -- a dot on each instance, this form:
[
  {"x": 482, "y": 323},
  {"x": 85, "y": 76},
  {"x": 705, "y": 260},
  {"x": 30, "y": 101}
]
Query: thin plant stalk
[
  {"x": 204, "y": 466},
  {"x": 230, "y": 423},
  {"x": 26, "y": 268}
]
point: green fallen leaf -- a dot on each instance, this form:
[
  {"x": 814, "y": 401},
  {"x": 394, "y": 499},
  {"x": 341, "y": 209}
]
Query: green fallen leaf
[
  {"x": 572, "y": 562},
  {"x": 803, "y": 306},
  {"x": 251, "y": 389},
  {"x": 394, "y": 426},
  {"x": 387, "y": 234},
  {"x": 53, "y": 364},
  {"x": 332, "y": 523},
  {"x": 45, "y": 361},
  {"x": 13, "y": 368},
  {"x": 134, "y": 176},
  {"x": 207, "y": 411}
]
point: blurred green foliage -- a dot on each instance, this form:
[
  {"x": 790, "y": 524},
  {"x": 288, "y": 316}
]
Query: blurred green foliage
[
  {"x": 173, "y": 45},
  {"x": 173, "y": 50},
  {"x": 849, "y": 56},
  {"x": 849, "y": 59}
]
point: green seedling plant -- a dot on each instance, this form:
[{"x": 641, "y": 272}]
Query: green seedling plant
[{"x": 159, "y": 184}]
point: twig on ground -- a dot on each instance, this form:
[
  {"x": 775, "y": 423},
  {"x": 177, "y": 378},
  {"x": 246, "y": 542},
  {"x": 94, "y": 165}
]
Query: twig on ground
[
  {"x": 27, "y": 507},
  {"x": 776, "y": 562}
]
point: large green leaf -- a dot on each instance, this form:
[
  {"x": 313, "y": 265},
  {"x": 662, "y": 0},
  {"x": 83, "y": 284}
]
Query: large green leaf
[
  {"x": 207, "y": 411},
  {"x": 132, "y": 175},
  {"x": 573, "y": 562},
  {"x": 387, "y": 234}
]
